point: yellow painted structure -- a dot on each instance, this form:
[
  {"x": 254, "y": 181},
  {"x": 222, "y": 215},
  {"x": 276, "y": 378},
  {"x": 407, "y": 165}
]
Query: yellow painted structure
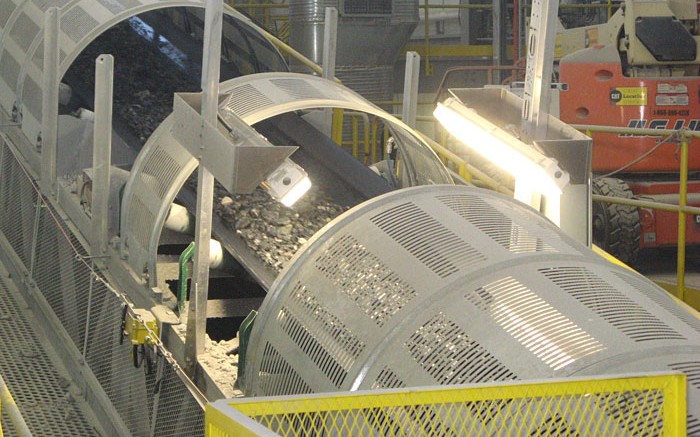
[{"x": 626, "y": 405}]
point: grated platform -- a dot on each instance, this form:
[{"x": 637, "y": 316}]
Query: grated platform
[{"x": 49, "y": 403}]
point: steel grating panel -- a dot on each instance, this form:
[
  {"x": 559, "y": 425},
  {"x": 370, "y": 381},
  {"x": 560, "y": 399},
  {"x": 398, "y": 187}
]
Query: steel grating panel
[
  {"x": 17, "y": 207},
  {"x": 178, "y": 413},
  {"x": 70, "y": 287},
  {"x": 60, "y": 276},
  {"x": 128, "y": 387},
  {"x": 40, "y": 392}
]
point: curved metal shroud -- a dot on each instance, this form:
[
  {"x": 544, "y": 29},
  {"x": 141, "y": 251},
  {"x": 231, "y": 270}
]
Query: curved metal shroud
[
  {"x": 164, "y": 165},
  {"x": 453, "y": 285}
]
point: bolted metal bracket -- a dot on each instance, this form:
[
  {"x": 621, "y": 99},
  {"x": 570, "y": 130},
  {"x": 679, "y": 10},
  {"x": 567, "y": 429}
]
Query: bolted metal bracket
[{"x": 239, "y": 159}]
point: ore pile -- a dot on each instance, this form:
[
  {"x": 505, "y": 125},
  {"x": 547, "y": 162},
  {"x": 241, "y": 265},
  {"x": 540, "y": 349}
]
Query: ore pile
[
  {"x": 271, "y": 230},
  {"x": 145, "y": 78}
]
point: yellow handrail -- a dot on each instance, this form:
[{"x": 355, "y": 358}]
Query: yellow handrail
[
  {"x": 12, "y": 411},
  {"x": 476, "y": 409},
  {"x": 682, "y": 209}
]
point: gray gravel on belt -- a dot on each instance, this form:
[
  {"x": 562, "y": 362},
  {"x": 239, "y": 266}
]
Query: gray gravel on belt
[{"x": 271, "y": 230}]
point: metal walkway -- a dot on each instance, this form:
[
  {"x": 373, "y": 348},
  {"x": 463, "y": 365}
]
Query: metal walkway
[{"x": 50, "y": 404}]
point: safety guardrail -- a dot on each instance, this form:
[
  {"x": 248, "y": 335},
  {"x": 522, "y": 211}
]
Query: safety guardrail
[
  {"x": 621, "y": 405},
  {"x": 93, "y": 314},
  {"x": 9, "y": 407},
  {"x": 519, "y": 9},
  {"x": 682, "y": 136}
]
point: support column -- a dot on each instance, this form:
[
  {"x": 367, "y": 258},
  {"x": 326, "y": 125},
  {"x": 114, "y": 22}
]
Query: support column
[
  {"x": 102, "y": 153},
  {"x": 49, "y": 104},
  {"x": 197, "y": 312},
  {"x": 410, "y": 89},
  {"x": 330, "y": 40}
]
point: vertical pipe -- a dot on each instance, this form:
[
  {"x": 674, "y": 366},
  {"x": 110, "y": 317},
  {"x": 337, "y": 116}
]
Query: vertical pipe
[
  {"x": 410, "y": 89},
  {"x": 49, "y": 104},
  {"x": 197, "y": 312},
  {"x": 102, "y": 153},
  {"x": 683, "y": 202},
  {"x": 330, "y": 40}
]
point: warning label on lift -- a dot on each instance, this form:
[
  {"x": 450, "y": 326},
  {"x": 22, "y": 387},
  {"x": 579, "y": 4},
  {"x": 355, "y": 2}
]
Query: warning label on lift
[
  {"x": 629, "y": 96},
  {"x": 672, "y": 100}
]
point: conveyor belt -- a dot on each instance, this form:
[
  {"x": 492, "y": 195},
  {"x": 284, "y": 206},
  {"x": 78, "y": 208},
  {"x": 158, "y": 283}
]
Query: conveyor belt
[{"x": 42, "y": 394}]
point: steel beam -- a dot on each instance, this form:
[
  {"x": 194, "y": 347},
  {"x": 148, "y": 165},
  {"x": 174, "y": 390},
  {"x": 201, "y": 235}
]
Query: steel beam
[
  {"x": 197, "y": 312},
  {"x": 330, "y": 40},
  {"x": 538, "y": 72},
  {"x": 410, "y": 89},
  {"x": 49, "y": 104},
  {"x": 102, "y": 153}
]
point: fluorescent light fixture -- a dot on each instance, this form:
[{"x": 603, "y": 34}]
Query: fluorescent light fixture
[
  {"x": 501, "y": 148},
  {"x": 288, "y": 183}
]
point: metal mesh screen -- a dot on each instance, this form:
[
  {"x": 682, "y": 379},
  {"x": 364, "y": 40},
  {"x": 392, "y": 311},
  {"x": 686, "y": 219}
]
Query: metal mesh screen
[
  {"x": 17, "y": 207},
  {"x": 613, "y": 407},
  {"x": 150, "y": 403},
  {"x": 35, "y": 384}
]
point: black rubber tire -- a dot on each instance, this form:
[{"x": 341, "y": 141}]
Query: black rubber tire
[{"x": 616, "y": 228}]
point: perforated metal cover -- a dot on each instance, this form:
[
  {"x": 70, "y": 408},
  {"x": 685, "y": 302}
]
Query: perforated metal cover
[
  {"x": 452, "y": 284},
  {"x": 164, "y": 165},
  {"x": 81, "y": 21}
]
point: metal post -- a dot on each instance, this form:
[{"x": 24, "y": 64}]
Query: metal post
[
  {"x": 35, "y": 235},
  {"x": 330, "y": 40},
  {"x": 426, "y": 19},
  {"x": 683, "y": 202},
  {"x": 88, "y": 313},
  {"x": 102, "y": 153},
  {"x": 197, "y": 313},
  {"x": 498, "y": 42},
  {"x": 538, "y": 73},
  {"x": 49, "y": 104},
  {"x": 410, "y": 89}
]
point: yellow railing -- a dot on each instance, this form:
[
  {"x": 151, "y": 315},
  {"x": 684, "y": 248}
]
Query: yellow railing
[
  {"x": 683, "y": 136},
  {"x": 626, "y": 405},
  {"x": 255, "y": 9},
  {"x": 7, "y": 403},
  {"x": 427, "y": 50}
]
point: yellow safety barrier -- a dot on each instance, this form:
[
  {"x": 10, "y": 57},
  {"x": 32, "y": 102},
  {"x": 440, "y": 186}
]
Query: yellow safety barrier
[
  {"x": 19, "y": 426},
  {"x": 627, "y": 405},
  {"x": 683, "y": 137}
]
